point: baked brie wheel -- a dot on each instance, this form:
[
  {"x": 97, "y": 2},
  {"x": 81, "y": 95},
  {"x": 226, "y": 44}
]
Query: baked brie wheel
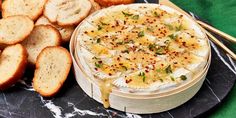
[{"x": 140, "y": 49}]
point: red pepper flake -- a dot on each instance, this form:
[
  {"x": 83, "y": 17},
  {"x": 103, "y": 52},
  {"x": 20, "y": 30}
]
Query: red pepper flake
[
  {"x": 118, "y": 58},
  {"x": 96, "y": 69},
  {"x": 128, "y": 81},
  {"x": 110, "y": 74},
  {"x": 99, "y": 62},
  {"x": 162, "y": 64},
  {"x": 86, "y": 32},
  {"x": 92, "y": 31},
  {"x": 132, "y": 68},
  {"x": 146, "y": 71},
  {"x": 185, "y": 57},
  {"x": 106, "y": 100}
]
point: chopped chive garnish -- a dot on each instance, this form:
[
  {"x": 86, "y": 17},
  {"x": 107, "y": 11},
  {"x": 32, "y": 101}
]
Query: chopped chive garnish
[
  {"x": 98, "y": 40},
  {"x": 142, "y": 74},
  {"x": 103, "y": 23},
  {"x": 172, "y": 78},
  {"x": 126, "y": 14},
  {"x": 120, "y": 43},
  {"x": 125, "y": 68},
  {"x": 99, "y": 27},
  {"x": 179, "y": 27},
  {"x": 183, "y": 77},
  {"x": 98, "y": 65},
  {"x": 151, "y": 46},
  {"x": 141, "y": 34},
  {"x": 170, "y": 27},
  {"x": 135, "y": 17},
  {"x": 168, "y": 70},
  {"x": 156, "y": 14},
  {"x": 161, "y": 80},
  {"x": 173, "y": 36},
  {"x": 125, "y": 51},
  {"x": 160, "y": 51},
  {"x": 150, "y": 29}
]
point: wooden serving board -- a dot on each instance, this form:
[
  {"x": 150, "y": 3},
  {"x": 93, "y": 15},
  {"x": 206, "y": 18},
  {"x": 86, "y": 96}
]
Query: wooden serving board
[{"x": 21, "y": 101}]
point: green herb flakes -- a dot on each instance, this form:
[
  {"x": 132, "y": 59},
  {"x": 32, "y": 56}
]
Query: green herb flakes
[
  {"x": 141, "y": 34},
  {"x": 180, "y": 27},
  {"x": 142, "y": 74},
  {"x": 168, "y": 69},
  {"x": 135, "y": 17},
  {"x": 99, "y": 27},
  {"x": 103, "y": 23},
  {"x": 126, "y": 14},
  {"x": 98, "y": 40},
  {"x": 173, "y": 36},
  {"x": 161, "y": 80},
  {"x": 169, "y": 26},
  {"x": 150, "y": 29},
  {"x": 172, "y": 78},
  {"x": 183, "y": 77},
  {"x": 156, "y": 14},
  {"x": 151, "y": 47},
  {"x": 98, "y": 65}
]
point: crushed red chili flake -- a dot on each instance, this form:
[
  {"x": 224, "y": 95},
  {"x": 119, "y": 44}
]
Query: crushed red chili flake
[
  {"x": 110, "y": 74},
  {"x": 96, "y": 69},
  {"x": 185, "y": 57},
  {"x": 128, "y": 81}
]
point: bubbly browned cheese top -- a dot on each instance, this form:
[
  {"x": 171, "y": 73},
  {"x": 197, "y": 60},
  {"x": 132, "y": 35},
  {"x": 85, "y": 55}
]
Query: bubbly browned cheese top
[{"x": 138, "y": 48}]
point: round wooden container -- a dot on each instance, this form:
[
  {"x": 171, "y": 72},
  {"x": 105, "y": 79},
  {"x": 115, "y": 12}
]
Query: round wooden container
[{"x": 136, "y": 103}]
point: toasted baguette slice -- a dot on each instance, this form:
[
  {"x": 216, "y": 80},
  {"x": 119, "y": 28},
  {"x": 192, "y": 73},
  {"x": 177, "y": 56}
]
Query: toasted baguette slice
[
  {"x": 13, "y": 61},
  {"x": 41, "y": 37},
  {"x": 52, "y": 68},
  {"x": 65, "y": 32},
  {"x": 30, "y": 8},
  {"x": 15, "y": 29},
  {"x": 67, "y": 12},
  {"x": 95, "y": 6}
]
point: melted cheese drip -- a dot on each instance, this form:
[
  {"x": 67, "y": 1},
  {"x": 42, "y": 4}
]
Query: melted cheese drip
[{"x": 106, "y": 89}]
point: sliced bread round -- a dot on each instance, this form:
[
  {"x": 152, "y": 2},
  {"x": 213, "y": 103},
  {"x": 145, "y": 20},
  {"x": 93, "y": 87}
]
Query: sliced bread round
[
  {"x": 52, "y": 68},
  {"x": 15, "y": 29},
  {"x": 65, "y": 32},
  {"x": 41, "y": 37},
  {"x": 30, "y": 8},
  {"x": 13, "y": 61},
  {"x": 67, "y": 12}
]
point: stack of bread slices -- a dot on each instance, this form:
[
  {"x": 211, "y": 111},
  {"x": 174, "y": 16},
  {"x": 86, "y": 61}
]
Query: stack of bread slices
[{"x": 32, "y": 33}]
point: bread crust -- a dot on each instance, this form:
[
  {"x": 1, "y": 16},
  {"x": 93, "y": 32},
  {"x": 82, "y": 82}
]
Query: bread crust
[
  {"x": 107, "y": 3},
  {"x": 22, "y": 37},
  {"x": 65, "y": 31},
  {"x": 19, "y": 72},
  {"x": 58, "y": 39},
  {"x": 8, "y": 4},
  {"x": 66, "y": 72},
  {"x": 83, "y": 14}
]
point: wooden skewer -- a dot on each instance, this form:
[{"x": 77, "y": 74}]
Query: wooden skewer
[
  {"x": 215, "y": 40},
  {"x": 226, "y": 36}
]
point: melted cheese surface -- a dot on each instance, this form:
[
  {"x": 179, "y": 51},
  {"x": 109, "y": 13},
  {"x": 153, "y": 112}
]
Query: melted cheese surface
[{"x": 141, "y": 47}]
